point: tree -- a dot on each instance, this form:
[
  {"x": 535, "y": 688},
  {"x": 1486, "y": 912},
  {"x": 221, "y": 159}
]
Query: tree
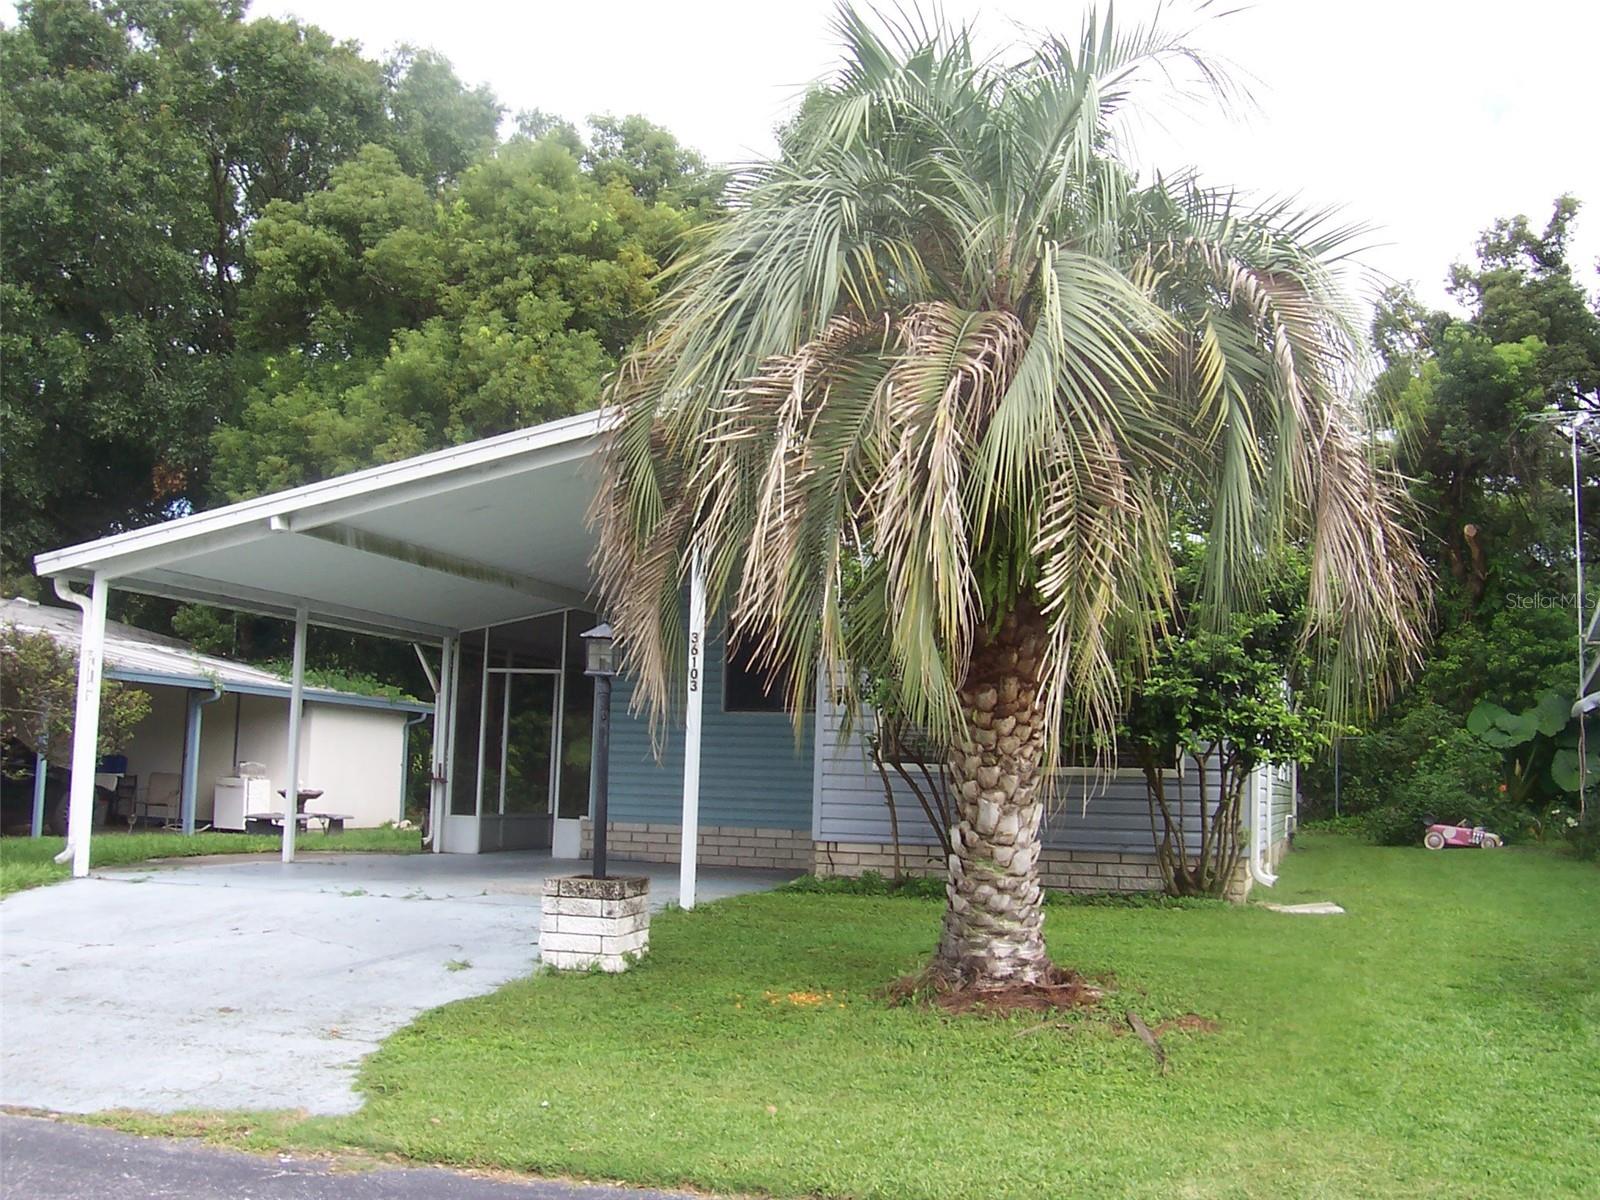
[
  {"x": 1221, "y": 699},
  {"x": 1471, "y": 397},
  {"x": 381, "y": 322},
  {"x": 143, "y": 144},
  {"x": 896, "y": 746},
  {"x": 950, "y": 339},
  {"x": 1478, "y": 404},
  {"x": 108, "y": 321},
  {"x": 437, "y": 126},
  {"x": 38, "y": 698},
  {"x": 650, "y": 162}
]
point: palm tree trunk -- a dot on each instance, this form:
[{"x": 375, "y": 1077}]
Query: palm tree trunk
[{"x": 995, "y": 912}]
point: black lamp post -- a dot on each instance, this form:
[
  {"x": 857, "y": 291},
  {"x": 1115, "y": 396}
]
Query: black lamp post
[{"x": 600, "y": 664}]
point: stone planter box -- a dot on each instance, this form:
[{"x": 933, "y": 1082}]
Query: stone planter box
[{"x": 588, "y": 923}]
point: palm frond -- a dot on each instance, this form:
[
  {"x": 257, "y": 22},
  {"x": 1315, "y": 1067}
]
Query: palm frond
[{"x": 945, "y": 358}]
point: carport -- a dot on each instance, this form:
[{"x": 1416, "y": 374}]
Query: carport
[{"x": 484, "y": 536}]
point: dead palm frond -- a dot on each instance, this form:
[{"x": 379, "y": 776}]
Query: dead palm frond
[{"x": 947, "y": 354}]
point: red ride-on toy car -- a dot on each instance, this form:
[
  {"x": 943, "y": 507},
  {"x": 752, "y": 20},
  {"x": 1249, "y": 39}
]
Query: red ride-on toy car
[{"x": 1440, "y": 836}]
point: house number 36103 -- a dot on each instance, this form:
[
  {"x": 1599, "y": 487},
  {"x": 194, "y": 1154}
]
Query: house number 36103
[{"x": 694, "y": 662}]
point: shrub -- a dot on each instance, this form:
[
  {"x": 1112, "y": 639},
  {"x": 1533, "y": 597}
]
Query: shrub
[
  {"x": 1580, "y": 833},
  {"x": 1457, "y": 782},
  {"x": 1376, "y": 764},
  {"x": 1346, "y": 824}
]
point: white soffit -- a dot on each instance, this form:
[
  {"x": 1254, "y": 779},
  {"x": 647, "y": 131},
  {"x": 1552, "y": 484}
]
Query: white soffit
[{"x": 473, "y": 535}]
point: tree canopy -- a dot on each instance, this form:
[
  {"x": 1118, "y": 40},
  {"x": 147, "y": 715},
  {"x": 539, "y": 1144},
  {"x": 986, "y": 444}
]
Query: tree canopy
[
  {"x": 949, "y": 332},
  {"x": 38, "y": 698},
  {"x": 242, "y": 254},
  {"x": 380, "y": 322},
  {"x": 1481, "y": 404}
]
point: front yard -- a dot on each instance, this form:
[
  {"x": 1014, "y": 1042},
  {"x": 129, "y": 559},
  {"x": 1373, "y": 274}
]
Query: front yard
[
  {"x": 1442, "y": 1039},
  {"x": 29, "y": 862}
]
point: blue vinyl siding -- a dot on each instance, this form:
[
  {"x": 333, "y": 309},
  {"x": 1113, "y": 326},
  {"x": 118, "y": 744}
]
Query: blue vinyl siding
[
  {"x": 753, "y": 771},
  {"x": 1116, "y": 816}
]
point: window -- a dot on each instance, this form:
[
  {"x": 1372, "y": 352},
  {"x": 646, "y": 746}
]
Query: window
[{"x": 747, "y": 688}]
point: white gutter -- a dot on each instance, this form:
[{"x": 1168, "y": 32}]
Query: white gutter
[
  {"x": 328, "y": 500},
  {"x": 1258, "y": 829}
]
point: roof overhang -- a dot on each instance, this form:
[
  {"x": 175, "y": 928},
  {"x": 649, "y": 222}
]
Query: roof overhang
[
  {"x": 225, "y": 687},
  {"x": 486, "y": 532}
]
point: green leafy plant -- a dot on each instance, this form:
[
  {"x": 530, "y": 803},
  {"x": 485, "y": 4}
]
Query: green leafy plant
[
  {"x": 1457, "y": 781},
  {"x": 1541, "y": 749},
  {"x": 1217, "y": 697},
  {"x": 1579, "y": 830},
  {"x": 39, "y": 694},
  {"x": 1504, "y": 729}
]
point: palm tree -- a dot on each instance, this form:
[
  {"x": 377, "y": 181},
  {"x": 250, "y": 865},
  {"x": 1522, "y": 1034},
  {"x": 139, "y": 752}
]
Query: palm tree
[{"x": 931, "y": 398}]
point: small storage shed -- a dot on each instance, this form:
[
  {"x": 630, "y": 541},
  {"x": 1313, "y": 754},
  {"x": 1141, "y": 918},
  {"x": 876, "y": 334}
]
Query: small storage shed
[{"x": 209, "y": 714}]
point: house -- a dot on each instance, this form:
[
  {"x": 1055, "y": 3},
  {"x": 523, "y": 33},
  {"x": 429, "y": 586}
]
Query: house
[
  {"x": 481, "y": 553},
  {"x": 208, "y": 714}
]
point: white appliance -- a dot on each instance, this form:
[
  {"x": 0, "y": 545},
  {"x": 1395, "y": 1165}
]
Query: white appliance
[{"x": 236, "y": 797}]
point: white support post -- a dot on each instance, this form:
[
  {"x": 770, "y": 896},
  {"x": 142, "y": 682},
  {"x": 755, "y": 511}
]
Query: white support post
[
  {"x": 443, "y": 721},
  {"x": 297, "y": 687},
  {"x": 690, "y": 852},
  {"x": 86, "y": 725}
]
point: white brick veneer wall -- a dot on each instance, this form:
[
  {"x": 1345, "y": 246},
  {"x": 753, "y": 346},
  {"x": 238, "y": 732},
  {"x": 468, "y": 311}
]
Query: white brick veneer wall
[
  {"x": 594, "y": 922},
  {"x": 793, "y": 850},
  {"x": 1065, "y": 870},
  {"x": 720, "y": 845},
  {"x": 1062, "y": 869}
]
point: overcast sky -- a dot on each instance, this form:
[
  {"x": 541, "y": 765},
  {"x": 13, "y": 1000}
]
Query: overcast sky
[{"x": 1426, "y": 118}]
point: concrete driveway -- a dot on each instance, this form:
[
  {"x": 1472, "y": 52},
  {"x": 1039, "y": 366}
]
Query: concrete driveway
[{"x": 248, "y": 984}]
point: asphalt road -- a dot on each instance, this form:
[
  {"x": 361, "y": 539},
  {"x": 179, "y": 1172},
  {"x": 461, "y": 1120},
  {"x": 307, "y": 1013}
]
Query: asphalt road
[{"x": 49, "y": 1160}]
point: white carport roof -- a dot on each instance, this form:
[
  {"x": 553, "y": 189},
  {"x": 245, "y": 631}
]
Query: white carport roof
[{"x": 470, "y": 536}]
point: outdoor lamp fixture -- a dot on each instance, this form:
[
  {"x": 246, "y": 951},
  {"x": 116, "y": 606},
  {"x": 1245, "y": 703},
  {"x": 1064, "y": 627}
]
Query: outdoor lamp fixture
[
  {"x": 600, "y": 664},
  {"x": 600, "y": 652}
]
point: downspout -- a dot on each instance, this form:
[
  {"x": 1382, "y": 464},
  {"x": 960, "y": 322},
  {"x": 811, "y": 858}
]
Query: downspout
[
  {"x": 191, "y": 756},
  {"x": 1258, "y": 829},
  {"x": 41, "y": 773}
]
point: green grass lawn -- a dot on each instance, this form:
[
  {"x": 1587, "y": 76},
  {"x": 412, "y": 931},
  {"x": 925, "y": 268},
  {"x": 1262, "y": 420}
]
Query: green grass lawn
[
  {"x": 1442, "y": 1039},
  {"x": 28, "y": 862}
]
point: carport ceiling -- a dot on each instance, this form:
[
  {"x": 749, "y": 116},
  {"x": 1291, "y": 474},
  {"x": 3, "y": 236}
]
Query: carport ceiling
[{"x": 469, "y": 536}]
